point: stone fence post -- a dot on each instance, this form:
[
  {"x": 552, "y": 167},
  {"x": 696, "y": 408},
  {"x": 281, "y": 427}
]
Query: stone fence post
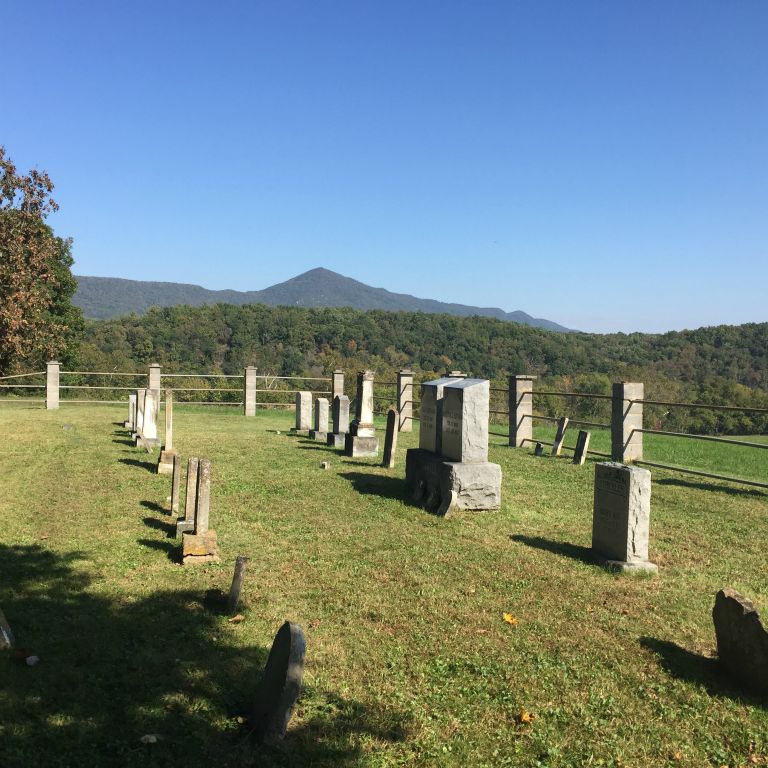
[
  {"x": 52, "y": 370},
  {"x": 405, "y": 400},
  {"x": 626, "y": 418},
  {"x": 520, "y": 410},
  {"x": 337, "y": 384},
  {"x": 154, "y": 376},
  {"x": 249, "y": 391}
]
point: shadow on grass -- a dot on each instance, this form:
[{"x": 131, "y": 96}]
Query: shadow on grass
[
  {"x": 123, "y": 441},
  {"x": 161, "y": 525},
  {"x": 695, "y": 668},
  {"x": 150, "y": 466},
  {"x": 378, "y": 485},
  {"x": 318, "y": 446},
  {"x": 112, "y": 671},
  {"x": 153, "y": 506},
  {"x": 703, "y": 486},
  {"x": 172, "y": 549},
  {"x": 574, "y": 551}
]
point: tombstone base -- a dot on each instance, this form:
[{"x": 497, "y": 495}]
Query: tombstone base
[
  {"x": 315, "y": 434},
  {"x": 165, "y": 462},
  {"x": 148, "y": 443},
  {"x": 336, "y": 440},
  {"x": 361, "y": 446},
  {"x": 184, "y": 526},
  {"x": 199, "y": 548},
  {"x": 362, "y": 430},
  {"x": 299, "y": 432},
  {"x": 624, "y": 566},
  {"x": 446, "y": 486}
]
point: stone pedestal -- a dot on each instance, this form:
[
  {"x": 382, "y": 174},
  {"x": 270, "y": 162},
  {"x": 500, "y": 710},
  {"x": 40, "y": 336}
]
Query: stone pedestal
[
  {"x": 356, "y": 445},
  {"x": 361, "y": 439},
  {"x": 621, "y": 516},
  {"x": 200, "y": 548}
]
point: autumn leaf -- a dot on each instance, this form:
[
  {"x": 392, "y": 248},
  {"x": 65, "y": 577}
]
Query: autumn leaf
[
  {"x": 510, "y": 619},
  {"x": 525, "y": 716},
  {"x": 236, "y": 619}
]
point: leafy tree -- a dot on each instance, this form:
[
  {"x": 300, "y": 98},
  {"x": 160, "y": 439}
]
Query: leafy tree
[{"x": 37, "y": 318}]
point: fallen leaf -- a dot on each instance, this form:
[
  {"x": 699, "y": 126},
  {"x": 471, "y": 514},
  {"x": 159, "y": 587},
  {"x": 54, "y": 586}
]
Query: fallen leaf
[
  {"x": 236, "y": 619},
  {"x": 525, "y": 716},
  {"x": 510, "y": 619}
]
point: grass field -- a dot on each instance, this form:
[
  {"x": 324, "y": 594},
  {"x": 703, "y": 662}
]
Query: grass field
[{"x": 409, "y": 661}]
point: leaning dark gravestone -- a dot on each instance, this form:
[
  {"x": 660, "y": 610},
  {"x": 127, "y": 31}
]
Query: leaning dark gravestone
[
  {"x": 742, "y": 641},
  {"x": 280, "y": 684}
]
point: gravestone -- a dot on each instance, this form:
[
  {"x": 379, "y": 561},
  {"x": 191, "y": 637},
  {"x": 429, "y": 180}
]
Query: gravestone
[
  {"x": 460, "y": 475},
  {"x": 320, "y": 432},
  {"x": 165, "y": 462},
  {"x": 187, "y": 523},
  {"x": 742, "y": 642},
  {"x": 621, "y": 517},
  {"x": 538, "y": 450},
  {"x": 303, "y": 414},
  {"x": 431, "y": 413},
  {"x": 131, "y": 423},
  {"x": 238, "y": 577},
  {"x": 148, "y": 437},
  {"x": 280, "y": 684},
  {"x": 361, "y": 439},
  {"x": 139, "y": 425},
  {"x": 582, "y": 446},
  {"x": 175, "y": 483},
  {"x": 340, "y": 413},
  {"x": 390, "y": 439},
  {"x": 562, "y": 425},
  {"x": 201, "y": 546}
]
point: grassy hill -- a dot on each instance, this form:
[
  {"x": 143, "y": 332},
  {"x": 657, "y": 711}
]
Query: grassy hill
[{"x": 409, "y": 661}]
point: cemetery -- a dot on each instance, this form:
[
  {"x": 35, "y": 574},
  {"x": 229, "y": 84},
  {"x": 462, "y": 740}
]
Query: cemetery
[{"x": 450, "y": 599}]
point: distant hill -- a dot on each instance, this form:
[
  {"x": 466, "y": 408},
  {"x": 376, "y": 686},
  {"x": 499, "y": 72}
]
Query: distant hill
[{"x": 101, "y": 298}]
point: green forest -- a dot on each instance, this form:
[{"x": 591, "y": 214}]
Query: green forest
[{"x": 717, "y": 365}]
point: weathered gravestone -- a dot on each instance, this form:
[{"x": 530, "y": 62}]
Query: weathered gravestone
[
  {"x": 320, "y": 432},
  {"x": 582, "y": 446},
  {"x": 340, "y": 414},
  {"x": 742, "y": 642},
  {"x": 148, "y": 433},
  {"x": 460, "y": 476},
  {"x": 390, "y": 438},
  {"x": 280, "y": 684},
  {"x": 538, "y": 450},
  {"x": 238, "y": 577},
  {"x": 130, "y": 424},
  {"x": 175, "y": 483},
  {"x": 187, "y": 523},
  {"x": 165, "y": 462},
  {"x": 201, "y": 546},
  {"x": 621, "y": 517},
  {"x": 557, "y": 445},
  {"x": 361, "y": 439},
  {"x": 303, "y": 414},
  {"x": 431, "y": 414},
  {"x": 139, "y": 424}
]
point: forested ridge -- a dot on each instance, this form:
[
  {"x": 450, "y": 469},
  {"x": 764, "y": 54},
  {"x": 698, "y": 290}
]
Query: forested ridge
[{"x": 721, "y": 364}]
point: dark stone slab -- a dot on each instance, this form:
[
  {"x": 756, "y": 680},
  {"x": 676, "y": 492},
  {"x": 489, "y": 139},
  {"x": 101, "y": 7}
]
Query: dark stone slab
[
  {"x": 280, "y": 684},
  {"x": 742, "y": 642}
]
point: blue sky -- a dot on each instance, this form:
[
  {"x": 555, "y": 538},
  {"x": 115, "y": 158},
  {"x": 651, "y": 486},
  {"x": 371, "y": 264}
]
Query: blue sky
[{"x": 600, "y": 164}]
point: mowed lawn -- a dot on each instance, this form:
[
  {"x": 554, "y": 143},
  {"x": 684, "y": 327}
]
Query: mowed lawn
[{"x": 409, "y": 660}]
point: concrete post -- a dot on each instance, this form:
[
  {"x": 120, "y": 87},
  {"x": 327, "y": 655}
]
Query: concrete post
[
  {"x": 337, "y": 384},
  {"x": 520, "y": 410},
  {"x": 405, "y": 400},
  {"x": 626, "y": 418},
  {"x": 249, "y": 393},
  {"x": 52, "y": 370},
  {"x": 154, "y": 376}
]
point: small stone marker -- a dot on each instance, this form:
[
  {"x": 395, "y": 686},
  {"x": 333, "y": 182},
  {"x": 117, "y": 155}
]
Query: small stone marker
[
  {"x": 320, "y": 432},
  {"x": 6, "y": 634},
  {"x": 582, "y": 446},
  {"x": 340, "y": 419},
  {"x": 187, "y": 523},
  {"x": 621, "y": 516},
  {"x": 538, "y": 450},
  {"x": 241, "y": 563},
  {"x": 390, "y": 439},
  {"x": 201, "y": 546},
  {"x": 742, "y": 642},
  {"x": 325, "y": 465},
  {"x": 175, "y": 482},
  {"x": 303, "y": 413},
  {"x": 280, "y": 684},
  {"x": 562, "y": 425}
]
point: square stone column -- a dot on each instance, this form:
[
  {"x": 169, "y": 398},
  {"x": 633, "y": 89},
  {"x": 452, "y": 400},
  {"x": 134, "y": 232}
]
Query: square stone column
[
  {"x": 249, "y": 391},
  {"x": 405, "y": 400},
  {"x": 520, "y": 410},
  {"x": 52, "y": 370},
  {"x": 337, "y": 384},
  {"x": 626, "y": 418},
  {"x": 154, "y": 376},
  {"x": 465, "y": 420}
]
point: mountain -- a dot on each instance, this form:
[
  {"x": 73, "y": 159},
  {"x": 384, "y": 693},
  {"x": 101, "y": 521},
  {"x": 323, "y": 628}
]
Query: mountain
[{"x": 105, "y": 297}]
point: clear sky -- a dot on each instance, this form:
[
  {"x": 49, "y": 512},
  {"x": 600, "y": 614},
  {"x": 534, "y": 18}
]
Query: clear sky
[{"x": 600, "y": 164}]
